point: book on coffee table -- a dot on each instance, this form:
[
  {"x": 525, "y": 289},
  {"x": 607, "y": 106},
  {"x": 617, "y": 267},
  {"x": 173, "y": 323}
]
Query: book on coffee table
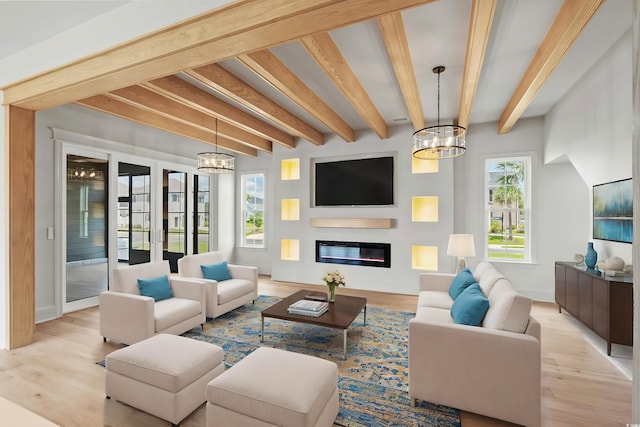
[
  {"x": 307, "y": 312},
  {"x": 308, "y": 308},
  {"x": 309, "y": 305}
]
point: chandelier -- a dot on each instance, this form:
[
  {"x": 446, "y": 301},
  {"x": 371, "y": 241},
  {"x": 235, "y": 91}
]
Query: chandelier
[
  {"x": 216, "y": 162},
  {"x": 441, "y": 141}
]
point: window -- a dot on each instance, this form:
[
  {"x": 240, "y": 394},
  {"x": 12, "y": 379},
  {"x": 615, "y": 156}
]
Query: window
[
  {"x": 84, "y": 211},
  {"x": 252, "y": 210},
  {"x": 508, "y": 198},
  {"x": 201, "y": 214}
]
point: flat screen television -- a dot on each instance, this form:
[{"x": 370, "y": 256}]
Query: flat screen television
[
  {"x": 613, "y": 211},
  {"x": 356, "y": 182}
]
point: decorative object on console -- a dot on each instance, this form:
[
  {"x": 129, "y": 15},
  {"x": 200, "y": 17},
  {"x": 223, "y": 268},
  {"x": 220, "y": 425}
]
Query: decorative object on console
[
  {"x": 591, "y": 257},
  {"x": 461, "y": 246},
  {"x": 579, "y": 258},
  {"x": 615, "y": 266},
  {"x": 440, "y": 141},
  {"x": 216, "y": 162},
  {"x": 332, "y": 280}
]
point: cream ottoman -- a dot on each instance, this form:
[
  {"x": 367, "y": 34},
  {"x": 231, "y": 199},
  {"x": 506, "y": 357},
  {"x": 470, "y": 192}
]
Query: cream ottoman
[
  {"x": 165, "y": 375},
  {"x": 272, "y": 387}
]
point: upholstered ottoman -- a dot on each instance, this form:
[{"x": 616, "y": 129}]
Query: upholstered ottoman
[
  {"x": 165, "y": 375},
  {"x": 272, "y": 387}
]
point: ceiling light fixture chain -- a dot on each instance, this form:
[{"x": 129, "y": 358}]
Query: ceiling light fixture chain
[
  {"x": 216, "y": 162},
  {"x": 440, "y": 141}
]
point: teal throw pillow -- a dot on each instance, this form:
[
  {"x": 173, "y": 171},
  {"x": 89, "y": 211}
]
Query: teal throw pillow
[
  {"x": 462, "y": 281},
  {"x": 470, "y": 306},
  {"x": 157, "y": 288},
  {"x": 218, "y": 272}
]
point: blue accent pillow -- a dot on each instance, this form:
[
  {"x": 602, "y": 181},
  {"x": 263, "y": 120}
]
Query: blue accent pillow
[
  {"x": 461, "y": 282},
  {"x": 470, "y": 306},
  {"x": 218, "y": 272},
  {"x": 157, "y": 288}
]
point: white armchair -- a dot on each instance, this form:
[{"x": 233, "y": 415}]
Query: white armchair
[
  {"x": 128, "y": 317},
  {"x": 222, "y": 296}
]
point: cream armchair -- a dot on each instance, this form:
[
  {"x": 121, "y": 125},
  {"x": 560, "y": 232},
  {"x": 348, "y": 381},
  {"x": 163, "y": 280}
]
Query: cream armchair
[
  {"x": 128, "y": 317},
  {"x": 226, "y": 295}
]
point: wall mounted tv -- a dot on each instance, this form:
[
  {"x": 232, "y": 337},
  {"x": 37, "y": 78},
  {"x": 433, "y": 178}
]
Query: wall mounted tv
[
  {"x": 613, "y": 211},
  {"x": 355, "y": 182}
]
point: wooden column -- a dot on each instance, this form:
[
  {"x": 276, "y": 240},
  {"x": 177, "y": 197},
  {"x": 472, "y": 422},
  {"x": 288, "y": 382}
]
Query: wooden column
[{"x": 20, "y": 137}]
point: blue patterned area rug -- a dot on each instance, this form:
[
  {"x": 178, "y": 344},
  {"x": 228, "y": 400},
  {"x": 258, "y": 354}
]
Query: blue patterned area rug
[{"x": 373, "y": 381}]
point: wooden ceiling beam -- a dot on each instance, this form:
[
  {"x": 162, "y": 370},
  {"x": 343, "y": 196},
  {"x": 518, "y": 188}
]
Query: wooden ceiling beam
[
  {"x": 265, "y": 64},
  {"x": 126, "y": 111},
  {"x": 325, "y": 52},
  {"x": 395, "y": 39},
  {"x": 573, "y": 17},
  {"x": 237, "y": 28},
  {"x": 188, "y": 94},
  {"x": 221, "y": 80},
  {"x": 147, "y": 99},
  {"x": 482, "y": 12}
]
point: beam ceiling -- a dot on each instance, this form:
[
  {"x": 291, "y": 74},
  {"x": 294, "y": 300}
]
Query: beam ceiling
[
  {"x": 173, "y": 80},
  {"x": 565, "y": 29}
]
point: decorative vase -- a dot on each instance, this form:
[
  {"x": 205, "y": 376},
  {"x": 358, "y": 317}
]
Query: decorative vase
[
  {"x": 591, "y": 257},
  {"x": 332, "y": 294}
]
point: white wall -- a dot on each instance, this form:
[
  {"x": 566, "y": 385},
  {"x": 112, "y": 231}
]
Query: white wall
[
  {"x": 591, "y": 127},
  {"x": 559, "y": 217},
  {"x": 400, "y": 278}
]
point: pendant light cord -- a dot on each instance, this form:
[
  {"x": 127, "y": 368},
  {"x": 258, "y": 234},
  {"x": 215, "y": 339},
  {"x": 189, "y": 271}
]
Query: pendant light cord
[{"x": 439, "y": 98}]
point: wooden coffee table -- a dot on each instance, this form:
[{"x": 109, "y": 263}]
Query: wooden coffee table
[{"x": 340, "y": 315}]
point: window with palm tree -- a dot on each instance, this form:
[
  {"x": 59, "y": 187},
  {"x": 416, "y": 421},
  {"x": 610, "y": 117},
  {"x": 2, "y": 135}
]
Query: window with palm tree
[
  {"x": 507, "y": 205},
  {"x": 253, "y": 210}
]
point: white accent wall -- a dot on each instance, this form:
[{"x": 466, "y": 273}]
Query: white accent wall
[
  {"x": 591, "y": 127},
  {"x": 400, "y": 278},
  {"x": 559, "y": 216}
]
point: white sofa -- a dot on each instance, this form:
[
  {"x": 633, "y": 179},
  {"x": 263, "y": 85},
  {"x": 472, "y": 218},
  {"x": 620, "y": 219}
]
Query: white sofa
[
  {"x": 128, "y": 317},
  {"x": 492, "y": 369},
  {"x": 225, "y": 295}
]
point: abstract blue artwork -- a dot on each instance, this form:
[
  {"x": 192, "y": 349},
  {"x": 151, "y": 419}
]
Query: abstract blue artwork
[{"x": 613, "y": 211}]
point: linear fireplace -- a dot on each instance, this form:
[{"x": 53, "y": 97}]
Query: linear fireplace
[{"x": 354, "y": 253}]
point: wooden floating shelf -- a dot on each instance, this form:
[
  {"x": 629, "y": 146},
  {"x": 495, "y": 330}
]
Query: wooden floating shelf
[{"x": 352, "y": 222}]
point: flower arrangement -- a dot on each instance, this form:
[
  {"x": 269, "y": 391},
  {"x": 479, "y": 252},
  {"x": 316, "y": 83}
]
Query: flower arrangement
[{"x": 333, "y": 279}]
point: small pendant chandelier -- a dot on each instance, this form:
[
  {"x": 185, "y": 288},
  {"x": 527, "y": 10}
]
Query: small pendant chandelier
[
  {"x": 215, "y": 163},
  {"x": 441, "y": 141}
]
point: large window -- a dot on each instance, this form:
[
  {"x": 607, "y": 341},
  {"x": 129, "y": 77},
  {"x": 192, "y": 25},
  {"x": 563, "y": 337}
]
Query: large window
[
  {"x": 508, "y": 210},
  {"x": 253, "y": 210}
]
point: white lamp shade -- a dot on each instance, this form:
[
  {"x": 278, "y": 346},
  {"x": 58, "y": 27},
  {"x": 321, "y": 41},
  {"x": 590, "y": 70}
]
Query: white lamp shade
[{"x": 461, "y": 245}]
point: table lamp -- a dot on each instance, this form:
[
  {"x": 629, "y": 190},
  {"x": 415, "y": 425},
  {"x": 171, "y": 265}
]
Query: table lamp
[{"x": 461, "y": 245}]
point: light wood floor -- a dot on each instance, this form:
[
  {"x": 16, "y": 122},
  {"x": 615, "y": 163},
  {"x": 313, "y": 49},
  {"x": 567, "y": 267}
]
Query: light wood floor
[{"x": 57, "y": 378}]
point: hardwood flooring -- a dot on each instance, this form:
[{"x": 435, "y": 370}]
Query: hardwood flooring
[{"x": 57, "y": 378}]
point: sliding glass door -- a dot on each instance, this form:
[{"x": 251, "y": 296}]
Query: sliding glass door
[{"x": 118, "y": 209}]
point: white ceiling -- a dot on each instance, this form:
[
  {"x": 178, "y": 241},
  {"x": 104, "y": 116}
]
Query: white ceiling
[{"x": 437, "y": 34}]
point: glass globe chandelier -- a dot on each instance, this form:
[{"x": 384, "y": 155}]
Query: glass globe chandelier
[{"x": 441, "y": 141}]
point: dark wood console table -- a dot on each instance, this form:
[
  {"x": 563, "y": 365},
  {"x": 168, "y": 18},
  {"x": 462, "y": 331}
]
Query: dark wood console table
[{"x": 602, "y": 303}]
